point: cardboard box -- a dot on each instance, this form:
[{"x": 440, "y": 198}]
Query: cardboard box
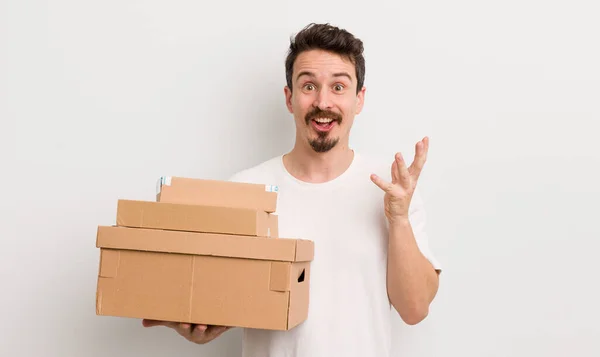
[
  {"x": 196, "y": 218},
  {"x": 273, "y": 225},
  {"x": 203, "y": 278},
  {"x": 217, "y": 193}
]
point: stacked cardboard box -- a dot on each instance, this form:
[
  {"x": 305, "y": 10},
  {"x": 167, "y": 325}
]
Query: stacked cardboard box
[{"x": 206, "y": 252}]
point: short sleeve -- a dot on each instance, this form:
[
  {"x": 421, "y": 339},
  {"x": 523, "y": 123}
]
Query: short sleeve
[{"x": 418, "y": 221}]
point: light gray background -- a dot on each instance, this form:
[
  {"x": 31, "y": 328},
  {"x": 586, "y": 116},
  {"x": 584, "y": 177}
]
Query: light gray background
[{"x": 99, "y": 98}]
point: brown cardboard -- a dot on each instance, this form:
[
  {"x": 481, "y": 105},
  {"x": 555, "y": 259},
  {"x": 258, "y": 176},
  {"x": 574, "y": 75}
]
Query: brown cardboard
[
  {"x": 196, "y": 218},
  {"x": 217, "y": 193},
  {"x": 273, "y": 225},
  {"x": 203, "y": 278}
]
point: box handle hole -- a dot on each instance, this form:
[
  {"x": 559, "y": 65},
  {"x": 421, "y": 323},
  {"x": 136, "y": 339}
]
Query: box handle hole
[{"x": 301, "y": 277}]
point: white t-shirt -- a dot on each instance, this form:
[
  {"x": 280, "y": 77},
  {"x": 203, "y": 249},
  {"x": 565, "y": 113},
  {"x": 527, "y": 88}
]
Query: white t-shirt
[{"x": 349, "y": 310}]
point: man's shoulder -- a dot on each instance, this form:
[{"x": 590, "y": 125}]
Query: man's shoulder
[{"x": 258, "y": 173}]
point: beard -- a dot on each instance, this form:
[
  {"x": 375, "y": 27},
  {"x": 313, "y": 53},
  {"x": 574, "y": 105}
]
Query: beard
[{"x": 323, "y": 143}]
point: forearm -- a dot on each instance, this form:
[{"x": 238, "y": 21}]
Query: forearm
[{"x": 412, "y": 282}]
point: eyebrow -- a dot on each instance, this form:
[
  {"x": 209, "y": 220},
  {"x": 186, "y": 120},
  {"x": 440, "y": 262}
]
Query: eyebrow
[
  {"x": 343, "y": 74},
  {"x": 310, "y": 74}
]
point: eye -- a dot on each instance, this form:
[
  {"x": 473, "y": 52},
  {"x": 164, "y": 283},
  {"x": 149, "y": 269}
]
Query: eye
[
  {"x": 338, "y": 87},
  {"x": 308, "y": 86}
]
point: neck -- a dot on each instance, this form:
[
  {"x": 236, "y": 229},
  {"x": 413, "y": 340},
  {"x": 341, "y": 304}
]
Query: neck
[{"x": 307, "y": 165}]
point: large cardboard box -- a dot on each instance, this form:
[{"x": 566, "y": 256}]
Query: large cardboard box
[
  {"x": 196, "y": 218},
  {"x": 203, "y": 278},
  {"x": 203, "y": 192}
]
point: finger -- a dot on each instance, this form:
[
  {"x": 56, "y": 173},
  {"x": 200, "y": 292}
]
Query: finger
[
  {"x": 199, "y": 332},
  {"x": 425, "y": 148},
  {"x": 215, "y": 331},
  {"x": 403, "y": 174},
  {"x": 184, "y": 330},
  {"x": 395, "y": 176},
  {"x": 421, "y": 149},
  {"x": 381, "y": 183},
  {"x": 419, "y": 152},
  {"x": 153, "y": 323}
]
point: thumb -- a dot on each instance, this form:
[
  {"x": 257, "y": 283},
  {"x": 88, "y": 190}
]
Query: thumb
[{"x": 152, "y": 323}]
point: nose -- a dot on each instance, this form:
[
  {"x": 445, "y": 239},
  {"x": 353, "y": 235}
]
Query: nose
[{"x": 322, "y": 100}]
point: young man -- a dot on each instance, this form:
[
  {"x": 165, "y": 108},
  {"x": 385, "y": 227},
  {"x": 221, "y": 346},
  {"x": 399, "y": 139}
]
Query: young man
[{"x": 365, "y": 217}]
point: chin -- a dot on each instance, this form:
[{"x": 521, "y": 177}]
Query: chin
[{"x": 323, "y": 145}]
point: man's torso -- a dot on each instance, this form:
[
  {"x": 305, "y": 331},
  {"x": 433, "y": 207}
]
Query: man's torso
[{"x": 349, "y": 309}]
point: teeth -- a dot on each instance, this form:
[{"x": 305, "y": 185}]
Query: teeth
[{"x": 324, "y": 120}]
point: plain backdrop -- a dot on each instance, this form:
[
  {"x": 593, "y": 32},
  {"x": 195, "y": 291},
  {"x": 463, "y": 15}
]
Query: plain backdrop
[{"x": 100, "y": 98}]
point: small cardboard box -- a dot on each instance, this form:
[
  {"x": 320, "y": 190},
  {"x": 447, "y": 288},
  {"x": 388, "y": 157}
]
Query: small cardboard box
[
  {"x": 203, "y": 278},
  {"x": 217, "y": 193},
  {"x": 196, "y": 218}
]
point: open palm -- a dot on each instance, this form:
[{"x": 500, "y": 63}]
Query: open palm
[{"x": 399, "y": 192}]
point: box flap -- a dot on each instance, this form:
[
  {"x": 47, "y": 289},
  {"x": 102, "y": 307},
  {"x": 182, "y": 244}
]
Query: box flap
[
  {"x": 224, "y": 245},
  {"x": 299, "y": 293},
  {"x": 280, "y": 276},
  {"x": 305, "y": 250}
]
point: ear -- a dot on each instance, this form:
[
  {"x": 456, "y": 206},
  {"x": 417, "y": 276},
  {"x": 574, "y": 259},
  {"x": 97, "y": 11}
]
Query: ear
[
  {"x": 360, "y": 100},
  {"x": 288, "y": 98}
]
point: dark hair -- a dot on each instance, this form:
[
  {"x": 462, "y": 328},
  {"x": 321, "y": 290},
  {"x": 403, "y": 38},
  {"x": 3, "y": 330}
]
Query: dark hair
[{"x": 328, "y": 38}]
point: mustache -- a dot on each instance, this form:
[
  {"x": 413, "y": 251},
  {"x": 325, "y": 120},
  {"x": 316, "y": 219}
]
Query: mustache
[{"x": 318, "y": 113}]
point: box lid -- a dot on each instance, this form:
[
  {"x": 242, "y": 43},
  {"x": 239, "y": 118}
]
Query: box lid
[
  {"x": 194, "y": 218},
  {"x": 172, "y": 189},
  {"x": 224, "y": 245}
]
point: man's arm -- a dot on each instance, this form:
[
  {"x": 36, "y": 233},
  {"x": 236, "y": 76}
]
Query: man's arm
[{"x": 412, "y": 281}]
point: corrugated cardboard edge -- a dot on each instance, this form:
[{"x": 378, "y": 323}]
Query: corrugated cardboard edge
[
  {"x": 98, "y": 289},
  {"x": 191, "y": 293}
]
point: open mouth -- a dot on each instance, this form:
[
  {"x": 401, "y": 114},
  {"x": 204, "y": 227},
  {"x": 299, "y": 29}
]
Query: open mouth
[{"x": 323, "y": 124}]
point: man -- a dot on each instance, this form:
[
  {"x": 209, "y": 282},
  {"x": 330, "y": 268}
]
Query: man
[{"x": 366, "y": 219}]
